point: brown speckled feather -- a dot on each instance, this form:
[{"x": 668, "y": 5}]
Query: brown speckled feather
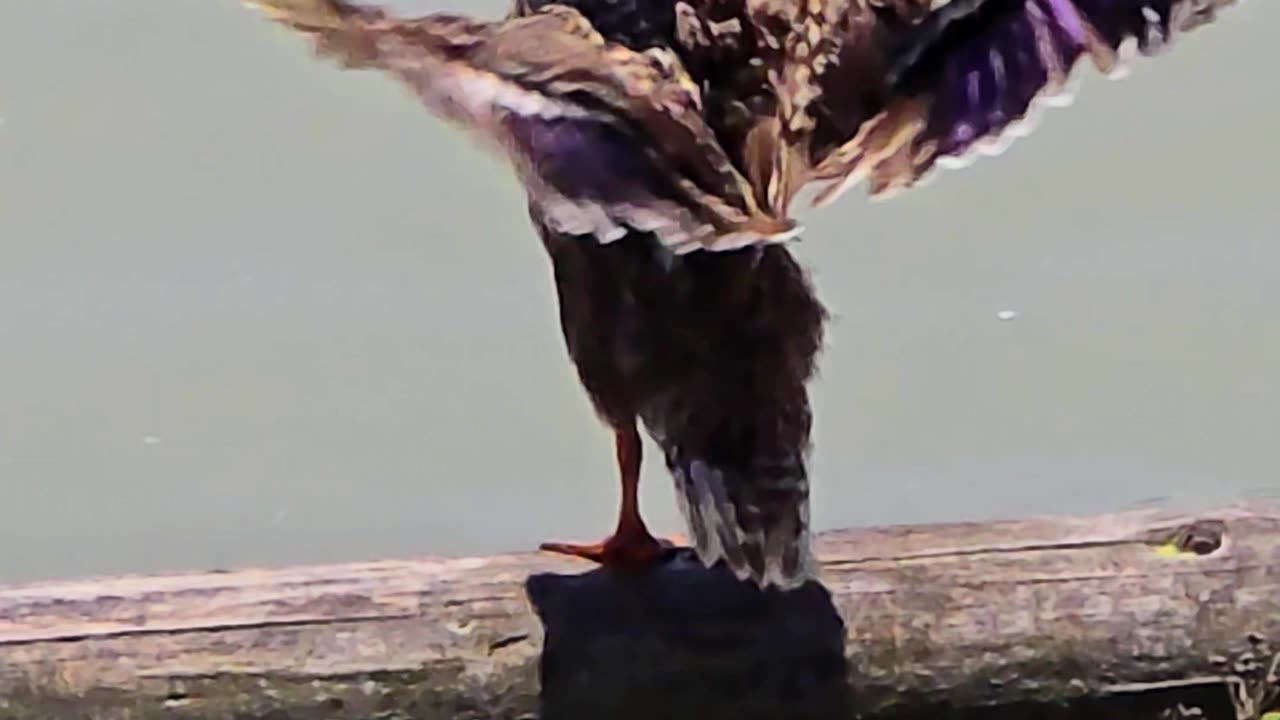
[
  {"x": 886, "y": 90},
  {"x": 707, "y": 117}
]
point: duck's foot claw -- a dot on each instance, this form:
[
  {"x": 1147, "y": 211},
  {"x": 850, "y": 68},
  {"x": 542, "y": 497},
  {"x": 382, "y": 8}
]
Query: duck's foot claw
[{"x": 674, "y": 541}]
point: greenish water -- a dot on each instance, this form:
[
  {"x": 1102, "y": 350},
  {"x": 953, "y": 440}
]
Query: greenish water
[{"x": 255, "y": 310}]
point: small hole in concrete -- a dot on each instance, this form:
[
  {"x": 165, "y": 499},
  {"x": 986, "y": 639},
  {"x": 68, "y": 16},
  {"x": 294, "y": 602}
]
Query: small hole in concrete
[{"x": 1202, "y": 538}]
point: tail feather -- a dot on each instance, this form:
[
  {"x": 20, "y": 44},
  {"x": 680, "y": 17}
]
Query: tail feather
[{"x": 758, "y": 525}]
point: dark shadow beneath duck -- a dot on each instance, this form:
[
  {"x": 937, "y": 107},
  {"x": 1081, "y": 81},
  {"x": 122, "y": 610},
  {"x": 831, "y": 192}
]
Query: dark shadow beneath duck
[{"x": 682, "y": 641}]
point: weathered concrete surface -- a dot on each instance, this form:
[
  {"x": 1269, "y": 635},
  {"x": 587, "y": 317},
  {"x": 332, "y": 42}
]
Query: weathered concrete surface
[{"x": 951, "y": 616}]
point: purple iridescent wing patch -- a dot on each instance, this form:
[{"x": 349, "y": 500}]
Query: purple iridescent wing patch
[
  {"x": 585, "y": 159},
  {"x": 585, "y": 176},
  {"x": 595, "y": 178},
  {"x": 589, "y": 178},
  {"x": 985, "y": 70}
]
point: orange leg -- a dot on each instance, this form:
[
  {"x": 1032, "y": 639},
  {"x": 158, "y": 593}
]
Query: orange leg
[{"x": 631, "y": 544}]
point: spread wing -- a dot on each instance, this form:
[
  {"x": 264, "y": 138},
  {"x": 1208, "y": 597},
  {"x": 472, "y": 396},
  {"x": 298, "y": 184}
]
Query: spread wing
[
  {"x": 918, "y": 84},
  {"x": 605, "y": 138},
  {"x": 887, "y": 90}
]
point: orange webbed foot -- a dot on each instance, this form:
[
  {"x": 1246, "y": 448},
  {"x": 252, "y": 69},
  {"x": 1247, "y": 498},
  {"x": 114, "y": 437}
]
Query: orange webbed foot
[{"x": 623, "y": 551}]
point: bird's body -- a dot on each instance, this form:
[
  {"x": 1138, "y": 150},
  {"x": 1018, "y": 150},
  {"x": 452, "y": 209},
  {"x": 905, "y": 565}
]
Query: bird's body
[
  {"x": 711, "y": 352},
  {"x": 662, "y": 143}
]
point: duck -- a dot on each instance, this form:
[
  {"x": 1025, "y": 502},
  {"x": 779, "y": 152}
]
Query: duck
[{"x": 663, "y": 145}]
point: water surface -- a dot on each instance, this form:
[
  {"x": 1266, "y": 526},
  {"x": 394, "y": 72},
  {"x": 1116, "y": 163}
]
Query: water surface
[{"x": 256, "y": 310}]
